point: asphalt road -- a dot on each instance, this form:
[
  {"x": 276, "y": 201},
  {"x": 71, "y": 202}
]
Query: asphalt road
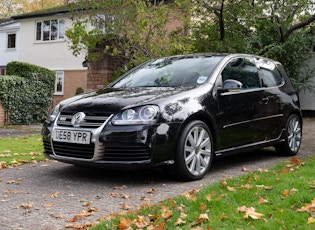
[{"x": 53, "y": 195}]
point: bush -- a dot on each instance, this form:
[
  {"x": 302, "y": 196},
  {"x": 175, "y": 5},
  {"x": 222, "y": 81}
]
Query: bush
[
  {"x": 79, "y": 91},
  {"x": 28, "y": 94}
]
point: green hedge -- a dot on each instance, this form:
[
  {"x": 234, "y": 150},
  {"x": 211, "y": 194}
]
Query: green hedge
[{"x": 27, "y": 94}]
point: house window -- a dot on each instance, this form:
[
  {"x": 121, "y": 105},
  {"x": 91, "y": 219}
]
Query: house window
[
  {"x": 102, "y": 21},
  {"x": 3, "y": 71},
  {"x": 11, "y": 41},
  {"x": 59, "y": 83},
  {"x": 50, "y": 30}
]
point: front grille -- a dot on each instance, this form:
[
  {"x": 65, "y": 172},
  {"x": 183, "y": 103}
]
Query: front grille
[
  {"x": 126, "y": 152},
  {"x": 47, "y": 147},
  {"x": 90, "y": 121},
  {"x": 74, "y": 150}
]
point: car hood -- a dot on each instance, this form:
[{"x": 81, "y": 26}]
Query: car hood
[{"x": 112, "y": 100}]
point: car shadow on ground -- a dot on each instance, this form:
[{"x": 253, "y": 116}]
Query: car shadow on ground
[{"x": 162, "y": 175}]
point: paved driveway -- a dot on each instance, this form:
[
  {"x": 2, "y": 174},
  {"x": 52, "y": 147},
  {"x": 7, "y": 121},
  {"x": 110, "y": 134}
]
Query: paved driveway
[{"x": 47, "y": 195}]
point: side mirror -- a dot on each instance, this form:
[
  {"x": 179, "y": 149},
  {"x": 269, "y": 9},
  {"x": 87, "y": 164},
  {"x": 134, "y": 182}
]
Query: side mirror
[{"x": 232, "y": 85}]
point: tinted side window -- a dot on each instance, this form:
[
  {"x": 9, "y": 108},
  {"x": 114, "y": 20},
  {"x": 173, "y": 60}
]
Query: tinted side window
[{"x": 243, "y": 70}]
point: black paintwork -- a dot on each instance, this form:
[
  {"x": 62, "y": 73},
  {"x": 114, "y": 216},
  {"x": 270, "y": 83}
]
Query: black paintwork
[{"x": 239, "y": 120}]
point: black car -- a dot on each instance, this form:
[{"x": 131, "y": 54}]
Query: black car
[{"x": 180, "y": 111}]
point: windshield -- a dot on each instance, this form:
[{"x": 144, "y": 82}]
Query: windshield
[{"x": 171, "y": 72}]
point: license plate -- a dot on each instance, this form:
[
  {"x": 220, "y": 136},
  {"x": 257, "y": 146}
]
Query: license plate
[{"x": 71, "y": 136}]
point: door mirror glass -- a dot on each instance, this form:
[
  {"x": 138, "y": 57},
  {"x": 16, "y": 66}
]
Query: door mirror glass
[{"x": 232, "y": 85}]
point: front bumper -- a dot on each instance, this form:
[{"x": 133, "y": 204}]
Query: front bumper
[{"x": 116, "y": 146}]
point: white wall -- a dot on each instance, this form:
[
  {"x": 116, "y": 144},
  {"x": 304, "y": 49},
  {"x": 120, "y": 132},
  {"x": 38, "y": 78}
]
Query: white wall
[
  {"x": 54, "y": 55},
  {"x": 307, "y": 98},
  {"x": 8, "y": 55}
]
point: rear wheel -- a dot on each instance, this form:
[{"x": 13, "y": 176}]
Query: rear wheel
[
  {"x": 293, "y": 137},
  {"x": 194, "y": 151}
]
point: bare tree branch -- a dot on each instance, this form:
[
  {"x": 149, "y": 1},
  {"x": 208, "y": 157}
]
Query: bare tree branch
[{"x": 298, "y": 26}]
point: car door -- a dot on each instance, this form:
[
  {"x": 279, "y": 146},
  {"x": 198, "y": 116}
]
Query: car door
[
  {"x": 273, "y": 103},
  {"x": 240, "y": 110}
]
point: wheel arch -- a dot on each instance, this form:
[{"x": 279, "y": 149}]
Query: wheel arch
[{"x": 201, "y": 116}]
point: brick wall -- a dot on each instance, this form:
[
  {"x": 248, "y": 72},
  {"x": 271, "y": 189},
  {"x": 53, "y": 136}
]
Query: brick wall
[
  {"x": 99, "y": 72},
  {"x": 73, "y": 79},
  {"x": 2, "y": 115}
]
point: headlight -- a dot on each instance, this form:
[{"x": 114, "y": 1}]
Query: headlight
[
  {"x": 139, "y": 115},
  {"x": 54, "y": 113}
]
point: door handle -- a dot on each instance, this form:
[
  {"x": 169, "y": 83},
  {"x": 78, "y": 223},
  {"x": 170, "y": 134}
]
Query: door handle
[{"x": 264, "y": 101}]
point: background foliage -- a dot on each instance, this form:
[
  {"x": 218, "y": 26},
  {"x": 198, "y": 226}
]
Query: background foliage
[
  {"x": 129, "y": 31},
  {"x": 281, "y": 30},
  {"x": 11, "y": 7},
  {"x": 135, "y": 31},
  {"x": 27, "y": 92}
]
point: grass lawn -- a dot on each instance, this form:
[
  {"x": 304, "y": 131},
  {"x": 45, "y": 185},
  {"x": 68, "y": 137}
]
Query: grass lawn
[
  {"x": 279, "y": 198},
  {"x": 18, "y": 150}
]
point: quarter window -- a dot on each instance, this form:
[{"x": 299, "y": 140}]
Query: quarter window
[
  {"x": 50, "y": 30},
  {"x": 270, "y": 75},
  {"x": 271, "y": 78}
]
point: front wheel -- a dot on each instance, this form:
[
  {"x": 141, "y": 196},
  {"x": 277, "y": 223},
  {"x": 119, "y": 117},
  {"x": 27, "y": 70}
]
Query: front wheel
[
  {"x": 293, "y": 137},
  {"x": 194, "y": 151}
]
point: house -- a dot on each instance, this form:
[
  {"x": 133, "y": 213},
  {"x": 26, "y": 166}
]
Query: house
[
  {"x": 306, "y": 96},
  {"x": 40, "y": 40},
  {"x": 9, "y": 46}
]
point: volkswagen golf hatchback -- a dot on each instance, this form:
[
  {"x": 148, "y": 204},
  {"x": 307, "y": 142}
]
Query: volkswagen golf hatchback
[{"x": 179, "y": 111}]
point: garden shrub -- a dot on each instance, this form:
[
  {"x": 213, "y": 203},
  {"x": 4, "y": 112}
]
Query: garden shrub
[{"x": 27, "y": 92}]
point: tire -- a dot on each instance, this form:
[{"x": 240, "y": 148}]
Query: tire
[
  {"x": 293, "y": 137},
  {"x": 194, "y": 151}
]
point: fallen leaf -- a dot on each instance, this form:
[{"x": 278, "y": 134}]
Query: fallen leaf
[
  {"x": 58, "y": 216},
  {"x": 295, "y": 161},
  {"x": 166, "y": 212},
  {"x": 244, "y": 169},
  {"x": 203, "y": 207},
  {"x": 203, "y": 217},
  {"x": 124, "y": 206},
  {"x": 151, "y": 191},
  {"x": 191, "y": 194},
  {"x": 142, "y": 222},
  {"x": 311, "y": 220},
  {"x": 223, "y": 216},
  {"x": 125, "y": 196},
  {"x": 75, "y": 218},
  {"x": 309, "y": 207},
  {"x": 263, "y": 201},
  {"x": 247, "y": 186},
  {"x": 179, "y": 221},
  {"x": 27, "y": 205},
  {"x": 231, "y": 189},
  {"x": 54, "y": 195},
  {"x": 143, "y": 198},
  {"x": 250, "y": 212},
  {"x": 87, "y": 204},
  {"x": 120, "y": 187},
  {"x": 48, "y": 205},
  {"x": 124, "y": 223},
  {"x": 286, "y": 193}
]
